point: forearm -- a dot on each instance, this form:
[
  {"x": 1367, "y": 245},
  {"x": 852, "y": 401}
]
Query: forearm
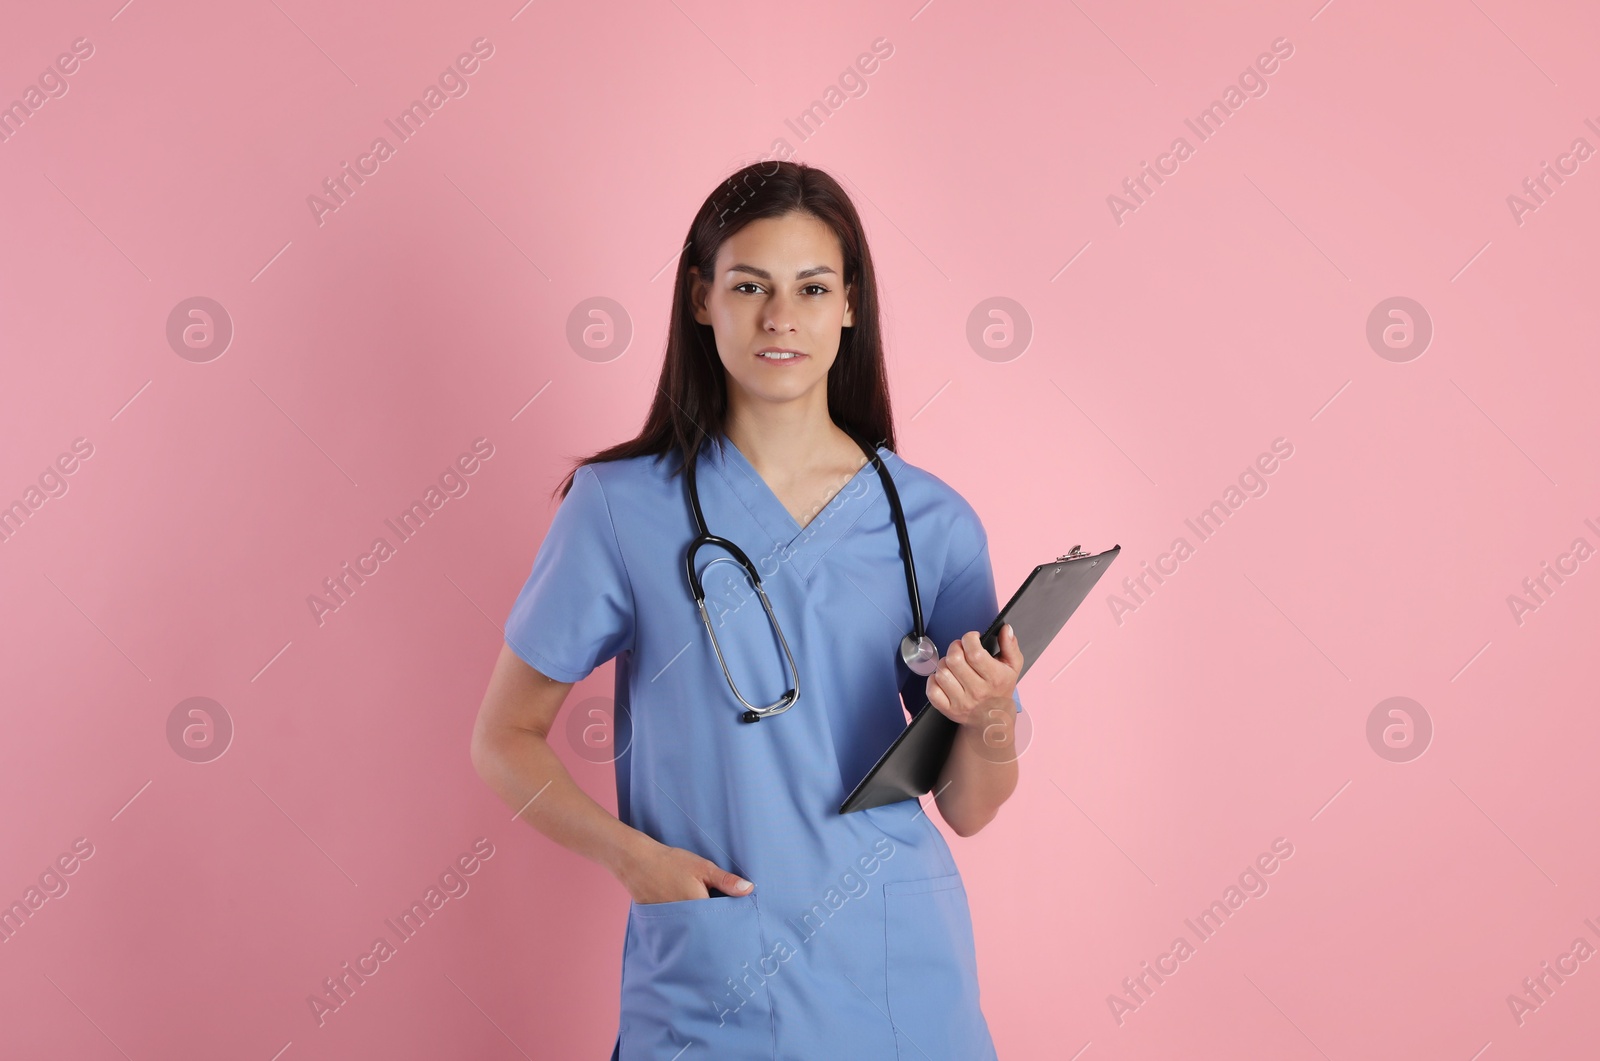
[
  {"x": 981, "y": 772},
  {"x": 523, "y": 770}
]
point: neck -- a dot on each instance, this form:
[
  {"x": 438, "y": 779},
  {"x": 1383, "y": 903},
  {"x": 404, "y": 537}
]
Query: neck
[{"x": 787, "y": 437}]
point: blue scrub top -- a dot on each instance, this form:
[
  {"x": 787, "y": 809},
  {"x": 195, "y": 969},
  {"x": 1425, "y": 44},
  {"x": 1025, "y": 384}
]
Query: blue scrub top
[{"x": 856, "y": 940}]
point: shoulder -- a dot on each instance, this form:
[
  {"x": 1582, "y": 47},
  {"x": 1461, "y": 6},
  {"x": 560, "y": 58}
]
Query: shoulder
[
  {"x": 939, "y": 507},
  {"x": 629, "y": 490},
  {"x": 616, "y": 478}
]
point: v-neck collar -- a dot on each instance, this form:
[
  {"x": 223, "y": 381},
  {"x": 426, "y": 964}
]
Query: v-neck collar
[{"x": 804, "y": 545}]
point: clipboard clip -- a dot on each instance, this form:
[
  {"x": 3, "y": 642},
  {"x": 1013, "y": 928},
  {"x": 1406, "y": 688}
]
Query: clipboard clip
[{"x": 1075, "y": 553}]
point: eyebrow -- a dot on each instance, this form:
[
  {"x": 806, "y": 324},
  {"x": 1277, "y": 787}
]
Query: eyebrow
[{"x": 815, "y": 270}]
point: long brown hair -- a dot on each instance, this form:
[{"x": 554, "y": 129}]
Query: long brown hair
[{"x": 691, "y": 399}]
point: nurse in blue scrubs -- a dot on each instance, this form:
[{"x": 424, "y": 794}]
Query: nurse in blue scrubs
[{"x": 764, "y": 923}]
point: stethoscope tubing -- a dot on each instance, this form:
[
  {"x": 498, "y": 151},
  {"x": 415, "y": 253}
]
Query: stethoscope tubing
[{"x": 704, "y": 537}]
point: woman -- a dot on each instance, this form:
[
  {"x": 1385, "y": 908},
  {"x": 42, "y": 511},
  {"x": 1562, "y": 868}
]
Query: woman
[{"x": 764, "y": 923}]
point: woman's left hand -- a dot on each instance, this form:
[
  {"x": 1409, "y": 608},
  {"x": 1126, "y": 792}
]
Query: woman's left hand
[{"x": 968, "y": 677}]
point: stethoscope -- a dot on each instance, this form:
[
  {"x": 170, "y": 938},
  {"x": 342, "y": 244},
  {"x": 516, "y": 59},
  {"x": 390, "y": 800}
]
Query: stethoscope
[{"x": 917, "y": 649}]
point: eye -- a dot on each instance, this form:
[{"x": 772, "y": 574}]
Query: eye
[{"x": 819, "y": 289}]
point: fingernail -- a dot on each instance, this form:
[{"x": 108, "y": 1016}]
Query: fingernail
[{"x": 745, "y": 885}]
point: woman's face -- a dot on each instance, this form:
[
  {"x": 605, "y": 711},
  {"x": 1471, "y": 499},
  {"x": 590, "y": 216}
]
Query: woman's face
[{"x": 779, "y": 283}]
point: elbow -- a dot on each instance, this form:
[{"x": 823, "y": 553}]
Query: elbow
[
  {"x": 483, "y": 751},
  {"x": 968, "y": 819},
  {"x": 971, "y": 826},
  {"x": 965, "y": 821},
  {"x": 493, "y": 747},
  {"x": 479, "y": 756}
]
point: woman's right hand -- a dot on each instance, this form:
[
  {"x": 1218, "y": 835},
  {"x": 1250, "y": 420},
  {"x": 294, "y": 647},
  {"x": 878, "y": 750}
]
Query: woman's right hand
[{"x": 656, "y": 873}]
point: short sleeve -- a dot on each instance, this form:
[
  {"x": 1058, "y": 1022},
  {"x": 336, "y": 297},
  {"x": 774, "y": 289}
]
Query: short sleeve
[
  {"x": 966, "y": 602},
  {"x": 576, "y": 609}
]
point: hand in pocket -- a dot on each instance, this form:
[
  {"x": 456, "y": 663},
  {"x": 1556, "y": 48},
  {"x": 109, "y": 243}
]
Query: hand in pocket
[{"x": 657, "y": 873}]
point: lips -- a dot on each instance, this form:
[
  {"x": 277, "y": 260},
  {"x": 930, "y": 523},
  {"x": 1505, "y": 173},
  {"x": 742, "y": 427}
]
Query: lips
[{"x": 780, "y": 357}]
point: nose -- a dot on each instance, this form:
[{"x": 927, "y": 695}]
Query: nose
[{"x": 779, "y": 313}]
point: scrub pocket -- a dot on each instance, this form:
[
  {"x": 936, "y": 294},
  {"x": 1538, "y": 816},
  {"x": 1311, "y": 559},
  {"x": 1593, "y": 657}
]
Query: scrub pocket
[
  {"x": 932, "y": 971},
  {"x": 678, "y": 959}
]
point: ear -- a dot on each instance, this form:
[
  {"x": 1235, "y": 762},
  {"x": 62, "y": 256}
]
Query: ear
[
  {"x": 849, "y": 307},
  {"x": 697, "y": 296}
]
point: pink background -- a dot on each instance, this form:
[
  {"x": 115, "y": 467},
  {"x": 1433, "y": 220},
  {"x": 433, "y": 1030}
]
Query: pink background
[{"x": 1168, "y": 351}]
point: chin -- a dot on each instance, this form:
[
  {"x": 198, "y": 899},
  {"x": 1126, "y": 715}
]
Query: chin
[
  {"x": 767, "y": 391},
  {"x": 797, "y": 389}
]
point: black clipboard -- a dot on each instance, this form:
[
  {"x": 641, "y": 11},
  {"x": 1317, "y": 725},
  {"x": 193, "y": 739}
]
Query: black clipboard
[{"x": 1037, "y": 611}]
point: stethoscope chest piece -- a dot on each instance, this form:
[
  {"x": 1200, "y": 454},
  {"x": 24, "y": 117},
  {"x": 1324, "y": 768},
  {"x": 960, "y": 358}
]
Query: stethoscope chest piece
[{"x": 922, "y": 656}]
